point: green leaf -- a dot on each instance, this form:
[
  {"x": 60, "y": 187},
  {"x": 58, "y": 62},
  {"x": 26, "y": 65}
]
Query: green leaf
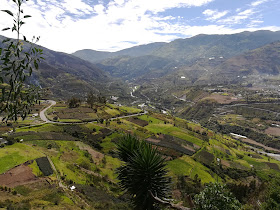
[
  {"x": 27, "y": 16},
  {"x": 8, "y": 12},
  {"x": 35, "y": 64},
  {"x": 5, "y": 29}
]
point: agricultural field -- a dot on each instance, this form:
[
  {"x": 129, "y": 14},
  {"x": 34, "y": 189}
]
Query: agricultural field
[
  {"x": 16, "y": 154},
  {"x": 84, "y": 155},
  {"x": 62, "y": 113}
]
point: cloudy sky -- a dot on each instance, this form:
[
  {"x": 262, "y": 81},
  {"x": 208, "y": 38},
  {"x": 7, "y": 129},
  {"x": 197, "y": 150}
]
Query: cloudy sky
[{"x": 111, "y": 25}]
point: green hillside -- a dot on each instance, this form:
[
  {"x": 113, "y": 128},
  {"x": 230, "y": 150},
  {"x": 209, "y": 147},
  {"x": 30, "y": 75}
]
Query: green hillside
[{"x": 84, "y": 155}]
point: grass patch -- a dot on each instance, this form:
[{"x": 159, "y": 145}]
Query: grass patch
[
  {"x": 42, "y": 128},
  {"x": 173, "y": 131},
  {"x": 198, "y": 169},
  {"x": 110, "y": 164},
  {"x": 150, "y": 119},
  {"x": 16, "y": 154},
  {"x": 35, "y": 169},
  {"x": 44, "y": 143},
  {"x": 69, "y": 120},
  {"x": 112, "y": 112},
  {"x": 92, "y": 115},
  {"x": 30, "y": 137},
  {"x": 129, "y": 110},
  {"x": 107, "y": 143},
  {"x": 186, "y": 166},
  {"x": 179, "y": 167}
]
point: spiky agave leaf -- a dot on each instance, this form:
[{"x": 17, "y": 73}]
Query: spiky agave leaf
[
  {"x": 126, "y": 146},
  {"x": 144, "y": 173}
]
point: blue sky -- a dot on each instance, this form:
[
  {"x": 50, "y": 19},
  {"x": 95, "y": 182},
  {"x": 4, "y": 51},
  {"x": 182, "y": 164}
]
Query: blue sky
[{"x": 111, "y": 25}]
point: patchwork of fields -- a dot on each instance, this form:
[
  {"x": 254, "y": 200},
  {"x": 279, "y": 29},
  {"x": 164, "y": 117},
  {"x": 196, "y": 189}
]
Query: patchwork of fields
[{"x": 85, "y": 155}]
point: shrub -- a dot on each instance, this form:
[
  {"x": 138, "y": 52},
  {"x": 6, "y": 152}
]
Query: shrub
[{"x": 215, "y": 197}]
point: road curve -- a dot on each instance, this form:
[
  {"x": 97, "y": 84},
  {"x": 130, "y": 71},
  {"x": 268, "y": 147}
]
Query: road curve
[{"x": 42, "y": 113}]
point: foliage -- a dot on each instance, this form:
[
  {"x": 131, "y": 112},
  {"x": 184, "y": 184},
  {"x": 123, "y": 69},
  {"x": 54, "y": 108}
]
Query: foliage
[
  {"x": 17, "y": 59},
  {"x": 144, "y": 172},
  {"x": 215, "y": 197},
  {"x": 91, "y": 99},
  {"x": 74, "y": 102},
  {"x": 272, "y": 200},
  {"x": 44, "y": 166}
]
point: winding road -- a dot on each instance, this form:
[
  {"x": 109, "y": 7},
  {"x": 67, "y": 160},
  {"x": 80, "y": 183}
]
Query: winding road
[{"x": 42, "y": 113}]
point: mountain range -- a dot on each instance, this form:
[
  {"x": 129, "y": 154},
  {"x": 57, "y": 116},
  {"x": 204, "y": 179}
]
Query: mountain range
[
  {"x": 162, "y": 59},
  {"x": 202, "y": 59}
]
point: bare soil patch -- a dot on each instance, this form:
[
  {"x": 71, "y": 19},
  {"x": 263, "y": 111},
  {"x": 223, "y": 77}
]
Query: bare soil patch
[
  {"x": 19, "y": 175},
  {"x": 273, "y": 166},
  {"x": 250, "y": 141},
  {"x": 205, "y": 157},
  {"x": 153, "y": 140},
  {"x": 137, "y": 121},
  {"x": 96, "y": 156},
  {"x": 71, "y": 155},
  {"x": 189, "y": 148},
  {"x": 222, "y": 99},
  {"x": 173, "y": 143},
  {"x": 225, "y": 163},
  {"x": 168, "y": 153},
  {"x": 273, "y": 131},
  {"x": 73, "y": 113}
]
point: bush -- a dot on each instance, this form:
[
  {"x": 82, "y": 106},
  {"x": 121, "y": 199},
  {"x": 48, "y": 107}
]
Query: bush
[{"x": 216, "y": 197}]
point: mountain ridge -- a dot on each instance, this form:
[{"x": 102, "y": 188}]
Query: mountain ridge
[
  {"x": 65, "y": 75},
  {"x": 183, "y": 52}
]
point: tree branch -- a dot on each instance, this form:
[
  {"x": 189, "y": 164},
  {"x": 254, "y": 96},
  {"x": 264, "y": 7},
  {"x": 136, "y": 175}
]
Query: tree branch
[{"x": 166, "y": 203}]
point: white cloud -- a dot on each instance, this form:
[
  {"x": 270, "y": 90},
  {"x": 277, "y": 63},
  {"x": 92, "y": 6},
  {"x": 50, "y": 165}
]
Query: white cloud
[
  {"x": 257, "y": 3},
  {"x": 246, "y": 12},
  {"x": 255, "y": 23},
  {"x": 214, "y": 14},
  {"x": 238, "y": 18},
  {"x": 119, "y": 24},
  {"x": 76, "y": 7}
]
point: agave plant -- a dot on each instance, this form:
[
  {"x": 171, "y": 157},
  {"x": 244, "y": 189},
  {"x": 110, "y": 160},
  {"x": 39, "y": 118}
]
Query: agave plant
[{"x": 144, "y": 172}]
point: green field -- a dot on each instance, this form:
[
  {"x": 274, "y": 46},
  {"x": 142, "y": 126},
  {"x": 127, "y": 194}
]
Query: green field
[
  {"x": 129, "y": 110},
  {"x": 16, "y": 154},
  {"x": 186, "y": 166},
  {"x": 173, "y": 131},
  {"x": 42, "y": 128}
]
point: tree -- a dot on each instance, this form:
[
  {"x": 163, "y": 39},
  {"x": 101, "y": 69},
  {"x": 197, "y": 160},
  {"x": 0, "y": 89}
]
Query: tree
[
  {"x": 91, "y": 99},
  {"x": 101, "y": 99},
  {"x": 143, "y": 173},
  {"x": 17, "y": 60},
  {"x": 74, "y": 102},
  {"x": 216, "y": 197}
]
